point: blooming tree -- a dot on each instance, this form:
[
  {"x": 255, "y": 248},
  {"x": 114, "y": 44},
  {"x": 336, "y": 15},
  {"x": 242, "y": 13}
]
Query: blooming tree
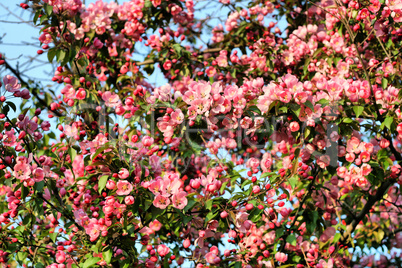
[{"x": 259, "y": 151}]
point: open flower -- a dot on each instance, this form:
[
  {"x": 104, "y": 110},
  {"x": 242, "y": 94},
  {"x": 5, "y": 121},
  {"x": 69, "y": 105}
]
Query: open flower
[{"x": 124, "y": 188}]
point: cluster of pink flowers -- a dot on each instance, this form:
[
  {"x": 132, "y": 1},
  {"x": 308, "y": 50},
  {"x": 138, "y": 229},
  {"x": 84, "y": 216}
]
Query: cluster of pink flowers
[
  {"x": 355, "y": 174},
  {"x": 70, "y": 6},
  {"x": 11, "y": 85},
  {"x": 167, "y": 190}
]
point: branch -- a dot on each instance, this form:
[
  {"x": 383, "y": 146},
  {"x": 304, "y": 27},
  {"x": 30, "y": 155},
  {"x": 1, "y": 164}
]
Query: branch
[
  {"x": 210, "y": 50},
  {"x": 370, "y": 202},
  {"x": 34, "y": 91}
]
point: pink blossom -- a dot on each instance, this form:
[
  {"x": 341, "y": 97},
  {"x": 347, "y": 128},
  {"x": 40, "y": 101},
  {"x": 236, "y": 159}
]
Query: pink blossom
[
  {"x": 111, "y": 99},
  {"x": 294, "y": 126},
  {"x": 129, "y": 200},
  {"x": 163, "y": 250},
  {"x": 22, "y": 171},
  {"x": 11, "y": 83},
  {"x": 38, "y": 174},
  {"x": 212, "y": 258},
  {"x": 71, "y": 131},
  {"x": 60, "y": 256},
  {"x": 281, "y": 257},
  {"x": 68, "y": 91},
  {"x": 124, "y": 187},
  {"x": 123, "y": 174},
  {"x": 81, "y": 94},
  {"x": 161, "y": 202},
  {"x": 179, "y": 200},
  {"x": 78, "y": 165},
  {"x": 147, "y": 141}
]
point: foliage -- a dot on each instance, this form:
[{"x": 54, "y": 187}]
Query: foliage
[{"x": 260, "y": 151}]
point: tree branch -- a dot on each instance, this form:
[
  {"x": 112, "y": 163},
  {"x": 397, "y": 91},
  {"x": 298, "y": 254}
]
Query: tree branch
[{"x": 24, "y": 83}]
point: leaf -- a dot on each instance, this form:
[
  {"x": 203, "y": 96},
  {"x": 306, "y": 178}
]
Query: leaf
[
  {"x": 323, "y": 102},
  {"x": 21, "y": 256},
  {"x": 347, "y": 120},
  {"x": 190, "y": 205},
  {"x": 24, "y": 192},
  {"x": 107, "y": 255},
  {"x": 208, "y": 204},
  {"x": 384, "y": 83},
  {"x": 73, "y": 153},
  {"x": 387, "y": 122},
  {"x": 358, "y": 110},
  {"x": 102, "y": 183},
  {"x": 49, "y": 10},
  {"x": 255, "y": 109},
  {"x": 90, "y": 262},
  {"x": 43, "y": 18},
  {"x": 337, "y": 236},
  {"x": 237, "y": 264},
  {"x": 309, "y": 105},
  {"x": 12, "y": 105},
  {"x": 53, "y": 236},
  {"x": 266, "y": 174},
  {"x": 39, "y": 186},
  {"x": 291, "y": 239},
  {"x": 35, "y": 19},
  {"x": 312, "y": 221},
  {"x": 178, "y": 48},
  {"x": 379, "y": 235},
  {"x": 293, "y": 181}
]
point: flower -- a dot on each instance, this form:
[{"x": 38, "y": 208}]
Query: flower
[
  {"x": 281, "y": 257},
  {"x": 22, "y": 171},
  {"x": 123, "y": 174},
  {"x": 124, "y": 187},
  {"x": 179, "y": 200},
  {"x": 161, "y": 202},
  {"x": 163, "y": 250},
  {"x": 11, "y": 83}
]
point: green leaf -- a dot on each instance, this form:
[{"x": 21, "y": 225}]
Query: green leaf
[
  {"x": 190, "y": 205},
  {"x": 323, "y": 102},
  {"x": 53, "y": 236},
  {"x": 237, "y": 264},
  {"x": 358, "y": 110},
  {"x": 73, "y": 153},
  {"x": 21, "y": 256},
  {"x": 379, "y": 235},
  {"x": 309, "y": 105},
  {"x": 255, "y": 109},
  {"x": 61, "y": 54},
  {"x": 347, "y": 120},
  {"x": 387, "y": 122},
  {"x": 178, "y": 48},
  {"x": 384, "y": 83},
  {"x": 208, "y": 204},
  {"x": 35, "y": 19},
  {"x": 24, "y": 192},
  {"x": 90, "y": 262},
  {"x": 312, "y": 221},
  {"x": 337, "y": 236},
  {"x": 291, "y": 239},
  {"x": 12, "y": 105},
  {"x": 49, "y": 10},
  {"x": 43, "y": 18},
  {"x": 50, "y": 54},
  {"x": 102, "y": 182},
  {"x": 107, "y": 255},
  {"x": 39, "y": 186},
  {"x": 293, "y": 181}
]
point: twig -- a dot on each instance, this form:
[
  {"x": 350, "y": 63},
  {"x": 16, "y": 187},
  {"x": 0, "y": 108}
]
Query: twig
[{"x": 34, "y": 92}]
